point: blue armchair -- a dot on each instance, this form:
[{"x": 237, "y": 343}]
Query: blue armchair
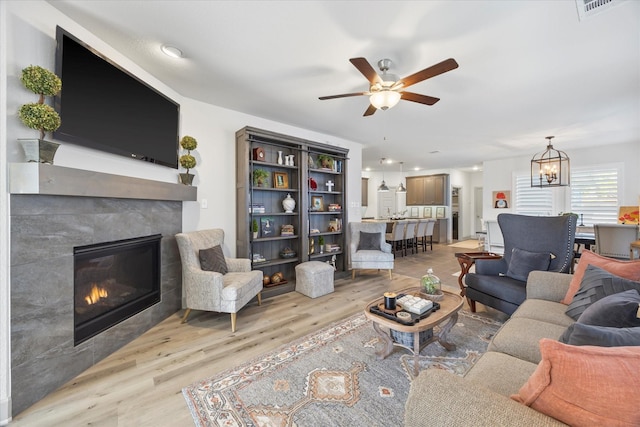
[{"x": 530, "y": 243}]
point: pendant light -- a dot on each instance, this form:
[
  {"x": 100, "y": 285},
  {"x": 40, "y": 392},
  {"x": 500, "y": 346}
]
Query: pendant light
[
  {"x": 383, "y": 187},
  {"x": 550, "y": 168},
  {"x": 401, "y": 188}
]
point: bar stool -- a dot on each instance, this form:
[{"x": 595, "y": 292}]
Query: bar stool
[
  {"x": 410, "y": 236},
  {"x": 396, "y": 237}
]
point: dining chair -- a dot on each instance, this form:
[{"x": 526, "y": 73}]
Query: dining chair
[
  {"x": 396, "y": 237},
  {"x": 614, "y": 240}
]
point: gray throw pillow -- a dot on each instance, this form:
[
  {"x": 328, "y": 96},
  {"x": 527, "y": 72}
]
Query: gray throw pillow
[
  {"x": 581, "y": 334},
  {"x": 212, "y": 259},
  {"x": 369, "y": 241},
  {"x": 523, "y": 262},
  {"x": 597, "y": 284},
  {"x": 617, "y": 311}
]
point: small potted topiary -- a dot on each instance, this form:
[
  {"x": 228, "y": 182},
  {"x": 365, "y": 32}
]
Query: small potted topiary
[
  {"x": 40, "y": 116},
  {"x": 187, "y": 161},
  {"x": 254, "y": 228},
  {"x": 260, "y": 177},
  {"x": 321, "y": 244},
  {"x": 325, "y": 161}
]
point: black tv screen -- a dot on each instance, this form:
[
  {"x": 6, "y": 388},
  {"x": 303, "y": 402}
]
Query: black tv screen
[{"x": 104, "y": 107}]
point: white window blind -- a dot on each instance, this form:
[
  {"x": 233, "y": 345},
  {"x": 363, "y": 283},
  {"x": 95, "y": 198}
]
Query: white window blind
[
  {"x": 594, "y": 194},
  {"x": 532, "y": 201}
]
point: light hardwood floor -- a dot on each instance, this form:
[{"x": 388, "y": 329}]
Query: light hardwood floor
[{"x": 141, "y": 384}]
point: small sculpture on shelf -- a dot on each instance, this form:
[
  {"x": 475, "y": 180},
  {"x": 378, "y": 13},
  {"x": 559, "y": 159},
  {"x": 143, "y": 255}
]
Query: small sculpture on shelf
[{"x": 289, "y": 203}]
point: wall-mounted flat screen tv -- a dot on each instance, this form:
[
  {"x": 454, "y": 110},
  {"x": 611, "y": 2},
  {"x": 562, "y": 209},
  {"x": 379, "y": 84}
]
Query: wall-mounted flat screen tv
[{"x": 104, "y": 107}]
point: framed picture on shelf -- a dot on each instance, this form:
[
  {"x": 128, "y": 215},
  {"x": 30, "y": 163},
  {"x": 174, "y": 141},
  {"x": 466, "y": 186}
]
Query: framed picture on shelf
[
  {"x": 440, "y": 212},
  {"x": 317, "y": 203},
  {"x": 426, "y": 213},
  {"x": 267, "y": 228},
  {"x": 280, "y": 180}
]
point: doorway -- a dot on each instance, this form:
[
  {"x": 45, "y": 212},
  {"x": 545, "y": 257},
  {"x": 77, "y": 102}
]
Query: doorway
[
  {"x": 455, "y": 212},
  {"x": 477, "y": 209}
]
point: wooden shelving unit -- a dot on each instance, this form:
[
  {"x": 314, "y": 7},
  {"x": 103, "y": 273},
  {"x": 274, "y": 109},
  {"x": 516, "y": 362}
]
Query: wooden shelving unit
[{"x": 260, "y": 149}]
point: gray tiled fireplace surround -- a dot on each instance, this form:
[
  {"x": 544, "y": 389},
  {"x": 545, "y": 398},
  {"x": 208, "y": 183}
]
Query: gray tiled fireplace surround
[{"x": 44, "y": 231}]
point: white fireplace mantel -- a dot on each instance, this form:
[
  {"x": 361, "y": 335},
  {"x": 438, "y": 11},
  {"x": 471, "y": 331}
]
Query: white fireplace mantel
[{"x": 44, "y": 179}]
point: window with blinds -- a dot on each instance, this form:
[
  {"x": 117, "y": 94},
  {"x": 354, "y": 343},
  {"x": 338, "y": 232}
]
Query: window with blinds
[
  {"x": 532, "y": 201},
  {"x": 594, "y": 194}
]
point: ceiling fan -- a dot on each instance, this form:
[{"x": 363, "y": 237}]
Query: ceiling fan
[{"x": 387, "y": 89}]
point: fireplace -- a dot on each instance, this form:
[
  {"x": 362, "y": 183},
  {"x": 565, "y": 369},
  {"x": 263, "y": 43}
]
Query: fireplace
[{"x": 113, "y": 281}]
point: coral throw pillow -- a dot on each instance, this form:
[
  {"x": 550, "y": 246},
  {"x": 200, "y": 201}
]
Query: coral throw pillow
[
  {"x": 626, "y": 269},
  {"x": 585, "y": 386}
]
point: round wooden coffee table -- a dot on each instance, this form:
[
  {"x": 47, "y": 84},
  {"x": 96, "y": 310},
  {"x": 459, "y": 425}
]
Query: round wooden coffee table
[{"x": 450, "y": 304}]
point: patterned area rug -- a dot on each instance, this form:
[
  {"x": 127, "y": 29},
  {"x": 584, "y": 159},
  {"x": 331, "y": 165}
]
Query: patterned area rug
[{"x": 330, "y": 378}]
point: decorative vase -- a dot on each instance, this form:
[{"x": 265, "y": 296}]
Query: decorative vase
[
  {"x": 38, "y": 150},
  {"x": 186, "y": 178},
  {"x": 255, "y": 235},
  {"x": 289, "y": 204},
  {"x": 279, "y": 157}
]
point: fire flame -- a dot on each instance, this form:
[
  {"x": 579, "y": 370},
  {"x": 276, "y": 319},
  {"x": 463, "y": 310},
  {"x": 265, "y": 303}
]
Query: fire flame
[{"x": 96, "y": 294}]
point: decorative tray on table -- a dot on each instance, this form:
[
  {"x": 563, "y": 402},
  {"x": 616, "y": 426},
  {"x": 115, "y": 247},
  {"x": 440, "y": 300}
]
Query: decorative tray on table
[{"x": 391, "y": 314}]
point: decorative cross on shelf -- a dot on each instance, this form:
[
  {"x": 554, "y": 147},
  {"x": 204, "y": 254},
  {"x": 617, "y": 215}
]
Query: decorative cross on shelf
[{"x": 329, "y": 185}]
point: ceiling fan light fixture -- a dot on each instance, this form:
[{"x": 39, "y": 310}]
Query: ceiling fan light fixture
[{"x": 385, "y": 99}]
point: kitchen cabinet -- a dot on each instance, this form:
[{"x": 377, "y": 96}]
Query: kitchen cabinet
[{"x": 429, "y": 190}]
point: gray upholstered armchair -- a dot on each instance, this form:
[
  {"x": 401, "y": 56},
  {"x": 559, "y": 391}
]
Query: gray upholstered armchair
[
  {"x": 212, "y": 290},
  {"x": 369, "y": 250},
  {"x": 530, "y": 243}
]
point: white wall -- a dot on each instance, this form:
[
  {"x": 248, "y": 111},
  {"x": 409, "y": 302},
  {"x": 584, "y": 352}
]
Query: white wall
[
  {"x": 27, "y": 36},
  {"x": 498, "y": 174}
]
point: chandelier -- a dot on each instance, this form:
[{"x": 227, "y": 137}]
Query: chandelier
[{"x": 550, "y": 168}]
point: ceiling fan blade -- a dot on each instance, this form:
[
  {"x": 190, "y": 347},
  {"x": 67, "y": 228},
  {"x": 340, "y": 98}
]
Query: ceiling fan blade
[
  {"x": 427, "y": 73},
  {"x": 366, "y": 69},
  {"x": 344, "y": 95},
  {"x": 421, "y": 99},
  {"x": 369, "y": 111}
]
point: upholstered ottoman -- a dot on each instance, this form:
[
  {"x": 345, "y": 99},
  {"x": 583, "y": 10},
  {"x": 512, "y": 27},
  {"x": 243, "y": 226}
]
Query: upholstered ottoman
[{"x": 314, "y": 278}]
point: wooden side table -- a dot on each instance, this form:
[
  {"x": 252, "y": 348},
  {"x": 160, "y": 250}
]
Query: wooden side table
[{"x": 466, "y": 260}]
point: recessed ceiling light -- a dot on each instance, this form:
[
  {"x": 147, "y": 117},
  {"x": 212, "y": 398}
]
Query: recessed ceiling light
[{"x": 171, "y": 51}]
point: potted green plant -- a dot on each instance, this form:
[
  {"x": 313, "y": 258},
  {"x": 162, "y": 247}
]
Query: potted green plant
[
  {"x": 321, "y": 243},
  {"x": 260, "y": 177},
  {"x": 254, "y": 228},
  {"x": 40, "y": 116},
  {"x": 325, "y": 161},
  {"x": 187, "y": 161}
]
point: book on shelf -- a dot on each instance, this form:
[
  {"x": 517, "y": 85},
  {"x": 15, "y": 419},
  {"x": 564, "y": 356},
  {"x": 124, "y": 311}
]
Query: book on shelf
[
  {"x": 334, "y": 207},
  {"x": 257, "y": 208},
  {"x": 287, "y": 230}
]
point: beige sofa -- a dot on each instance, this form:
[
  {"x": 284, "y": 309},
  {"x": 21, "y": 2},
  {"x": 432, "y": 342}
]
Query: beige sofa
[{"x": 481, "y": 397}]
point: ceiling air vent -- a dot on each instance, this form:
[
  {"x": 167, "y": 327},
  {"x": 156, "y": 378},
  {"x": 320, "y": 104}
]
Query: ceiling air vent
[{"x": 588, "y": 8}]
